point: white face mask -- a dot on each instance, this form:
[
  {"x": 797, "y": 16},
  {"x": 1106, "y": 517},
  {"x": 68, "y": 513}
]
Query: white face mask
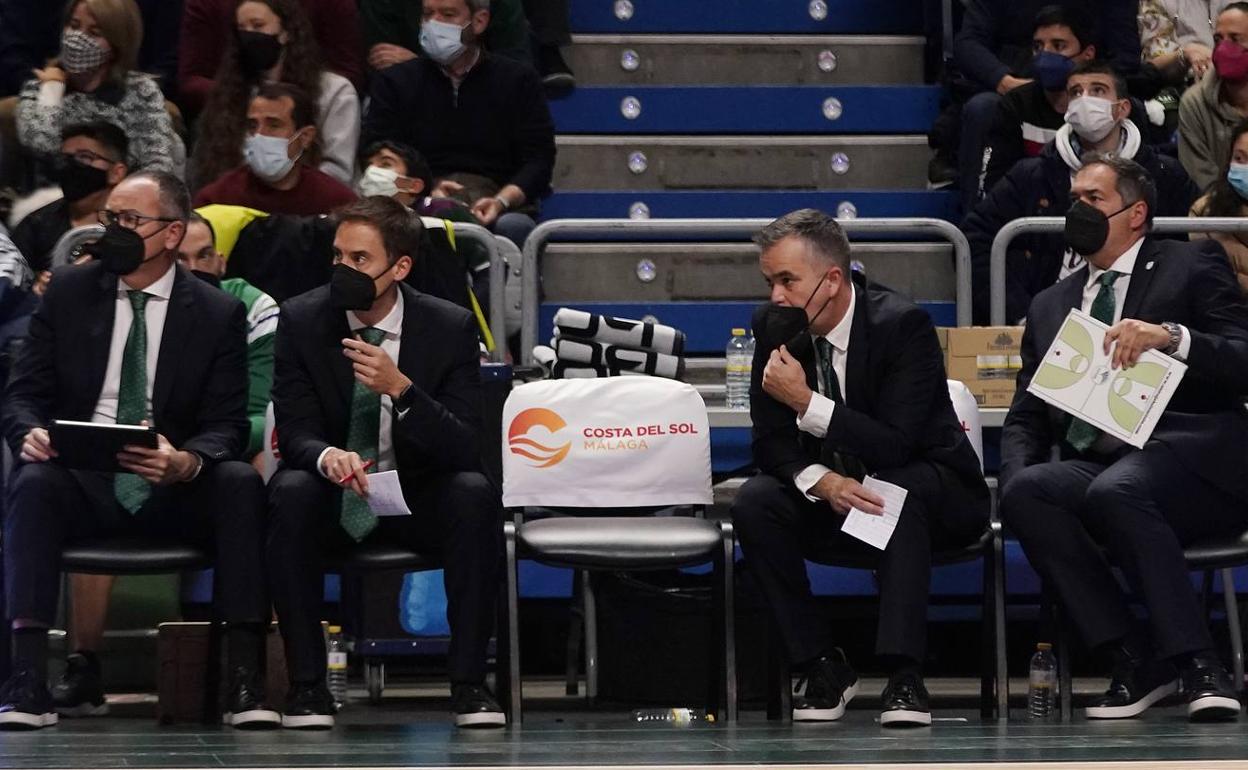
[
  {"x": 268, "y": 156},
  {"x": 378, "y": 181},
  {"x": 1091, "y": 117},
  {"x": 442, "y": 40}
]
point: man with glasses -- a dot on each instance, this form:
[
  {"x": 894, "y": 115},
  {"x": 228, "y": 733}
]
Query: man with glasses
[
  {"x": 92, "y": 163},
  {"x": 132, "y": 338}
]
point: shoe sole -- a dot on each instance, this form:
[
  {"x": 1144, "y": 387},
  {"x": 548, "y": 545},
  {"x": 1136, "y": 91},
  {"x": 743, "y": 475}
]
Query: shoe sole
[
  {"x": 827, "y": 715},
  {"x": 17, "y": 720},
  {"x": 1213, "y": 708},
  {"x": 83, "y": 710},
  {"x": 559, "y": 80},
  {"x": 308, "y": 722},
  {"x": 1132, "y": 709},
  {"x": 481, "y": 719},
  {"x": 256, "y": 719},
  {"x": 905, "y": 718}
]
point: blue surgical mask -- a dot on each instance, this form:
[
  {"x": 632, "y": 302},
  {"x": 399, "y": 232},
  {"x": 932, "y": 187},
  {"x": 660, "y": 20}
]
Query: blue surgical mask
[
  {"x": 1051, "y": 70},
  {"x": 268, "y": 156},
  {"x": 1237, "y": 175},
  {"x": 442, "y": 40}
]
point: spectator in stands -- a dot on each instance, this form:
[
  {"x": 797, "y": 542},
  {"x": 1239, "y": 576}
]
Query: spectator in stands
[
  {"x": 1096, "y": 121},
  {"x": 1228, "y": 197},
  {"x": 91, "y": 164},
  {"x": 884, "y": 412},
  {"x": 86, "y": 359},
  {"x": 1179, "y": 33},
  {"x": 480, "y": 120},
  {"x": 1029, "y": 116},
  {"x": 551, "y": 30},
  {"x": 367, "y": 335},
  {"x": 279, "y": 175},
  {"x": 208, "y": 26},
  {"x": 392, "y": 30},
  {"x": 93, "y": 79},
  {"x": 1212, "y": 107},
  {"x": 274, "y": 43},
  {"x": 1103, "y": 503},
  {"x": 80, "y": 691},
  {"x": 398, "y": 171}
]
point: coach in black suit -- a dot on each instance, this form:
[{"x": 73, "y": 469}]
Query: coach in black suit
[
  {"x": 867, "y": 397},
  {"x": 185, "y": 372},
  {"x": 1189, "y": 482},
  {"x": 368, "y": 369}
]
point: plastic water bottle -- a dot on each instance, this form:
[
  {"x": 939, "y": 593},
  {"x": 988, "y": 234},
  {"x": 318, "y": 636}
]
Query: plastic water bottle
[
  {"x": 336, "y": 666},
  {"x": 1042, "y": 682},
  {"x": 740, "y": 358},
  {"x": 673, "y": 716}
]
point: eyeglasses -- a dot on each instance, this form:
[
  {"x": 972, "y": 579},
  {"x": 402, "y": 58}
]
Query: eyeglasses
[
  {"x": 127, "y": 219},
  {"x": 86, "y": 157}
]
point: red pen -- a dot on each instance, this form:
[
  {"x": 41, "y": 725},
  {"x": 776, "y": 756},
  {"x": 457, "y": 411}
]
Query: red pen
[{"x": 347, "y": 478}]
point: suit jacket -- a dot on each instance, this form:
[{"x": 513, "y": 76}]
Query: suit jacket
[
  {"x": 1205, "y": 423},
  {"x": 897, "y": 409},
  {"x": 313, "y": 380},
  {"x": 199, "y": 396}
]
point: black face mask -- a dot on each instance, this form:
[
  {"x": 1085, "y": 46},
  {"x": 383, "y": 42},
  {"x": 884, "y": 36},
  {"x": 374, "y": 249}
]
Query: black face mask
[
  {"x": 212, "y": 279},
  {"x": 258, "y": 52},
  {"x": 352, "y": 289},
  {"x": 1087, "y": 228},
  {"x": 120, "y": 250},
  {"x": 787, "y": 325},
  {"x": 78, "y": 180}
]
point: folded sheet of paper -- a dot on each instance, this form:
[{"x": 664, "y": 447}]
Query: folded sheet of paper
[
  {"x": 869, "y": 528},
  {"x": 1075, "y": 376},
  {"x": 385, "y": 496}
]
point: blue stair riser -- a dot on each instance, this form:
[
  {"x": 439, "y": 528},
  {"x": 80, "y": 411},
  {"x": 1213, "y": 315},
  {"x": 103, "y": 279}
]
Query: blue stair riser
[
  {"x": 669, "y": 204},
  {"x": 894, "y": 17}
]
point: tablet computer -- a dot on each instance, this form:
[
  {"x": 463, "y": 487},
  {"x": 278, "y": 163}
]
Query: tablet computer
[{"x": 90, "y": 446}]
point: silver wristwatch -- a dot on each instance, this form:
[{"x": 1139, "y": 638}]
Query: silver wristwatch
[{"x": 1176, "y": 335}]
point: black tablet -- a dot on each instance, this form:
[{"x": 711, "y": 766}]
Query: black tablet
[{"x": 89, "y": 446}]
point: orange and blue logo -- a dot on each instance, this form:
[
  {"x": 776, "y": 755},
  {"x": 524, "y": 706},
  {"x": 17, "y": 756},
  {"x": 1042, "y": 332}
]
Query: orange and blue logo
[{"x": 521, "y": 443}]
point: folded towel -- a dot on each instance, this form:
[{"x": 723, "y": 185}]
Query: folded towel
[
  {"x": 625, "y": 332},
  {"x": 615, "y": 358}
]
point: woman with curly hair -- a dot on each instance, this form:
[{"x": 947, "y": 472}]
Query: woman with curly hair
[
  {"x": 273, "y": 42},
  {"x": 94, "y": 79}
]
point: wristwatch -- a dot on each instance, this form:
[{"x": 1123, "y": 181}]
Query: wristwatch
[
  {"x": 405, "y": 399},
  {"x": 1176, "y": 336},
  {"x": 503, "y": 202}
]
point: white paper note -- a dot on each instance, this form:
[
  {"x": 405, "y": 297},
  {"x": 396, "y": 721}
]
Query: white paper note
[
  {"x": 869, "y": 528},
  {"x": 385, "y": 496}
]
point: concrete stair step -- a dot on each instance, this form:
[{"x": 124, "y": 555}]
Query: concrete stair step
[
  {"x": 761, "y": 60},
  {"x": 823, "y": 17}
]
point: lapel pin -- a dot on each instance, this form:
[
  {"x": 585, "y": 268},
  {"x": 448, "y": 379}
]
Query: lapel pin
[{"x": 1149, "y": 266}]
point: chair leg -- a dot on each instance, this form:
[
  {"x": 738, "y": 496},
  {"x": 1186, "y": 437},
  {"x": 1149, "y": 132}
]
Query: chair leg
[
  {"x": 591, "y": 637},
  {"x": 987, "y": 642},
  {"x": 576, "y": 628},
  {"x": 1232, "y": 621},
  {"x": 212, "y": 664},
  {"x": 513, "y": 624},
  {"x": 729, "y": 627},
  {"x": 1064, "y": 677},
  {"x": 779, "y": 677},
  {"x": 999, "y": 623}
]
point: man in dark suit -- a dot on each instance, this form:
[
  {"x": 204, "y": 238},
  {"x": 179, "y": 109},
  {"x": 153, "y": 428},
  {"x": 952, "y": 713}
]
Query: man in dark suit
[
  {"x": 369, "y": 372},
  {"x": 868, "y": 397},
  {"x": 1138, "y": 507},
  {"x": 184, "y": 371}
]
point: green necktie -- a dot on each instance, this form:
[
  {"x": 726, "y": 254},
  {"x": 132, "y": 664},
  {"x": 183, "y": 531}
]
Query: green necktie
[
  {"x": 843, "y": 464},
  {"x": 356, "y": 517},
  {"x": 130, "y": 490},
  {"x": 1080, "y": 434}
]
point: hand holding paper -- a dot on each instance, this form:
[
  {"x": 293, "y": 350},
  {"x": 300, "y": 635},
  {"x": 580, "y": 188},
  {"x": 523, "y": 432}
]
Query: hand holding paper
[
  {"x": 877, "y": 530},
  {"x": 385, "y": 495}
]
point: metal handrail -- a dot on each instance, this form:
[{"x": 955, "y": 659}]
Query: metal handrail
[
  {"x": 1161, "y": 225},
  {"x": 716, "y": 228}
]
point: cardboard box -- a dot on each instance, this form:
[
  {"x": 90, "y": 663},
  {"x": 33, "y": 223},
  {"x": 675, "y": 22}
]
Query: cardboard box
[{"x": 987, "y": 359}]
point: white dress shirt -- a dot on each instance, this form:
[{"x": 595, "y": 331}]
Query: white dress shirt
[
  {"x": 156, "y": 310},
  {"x": 392, "y": 325},
  {"x": 818, "y": 415}
]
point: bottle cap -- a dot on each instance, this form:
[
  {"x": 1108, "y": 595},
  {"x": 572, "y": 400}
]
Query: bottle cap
[
  {"x": 1044, "y": 646},
  {"x": 335, "y": 629},
  {"x": 738, "y": 332}
]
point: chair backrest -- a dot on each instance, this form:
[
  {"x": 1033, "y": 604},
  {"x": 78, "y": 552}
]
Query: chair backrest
[
  {"x": 967, "y": 410},
  {"x": 606, "y": 443}
]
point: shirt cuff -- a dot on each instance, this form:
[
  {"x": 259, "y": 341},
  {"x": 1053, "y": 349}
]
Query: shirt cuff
[
  {"x": 817, "y": 417},
  {"x": 808, "y": 477},
  {"x": 320, "y": 462},
  {"x": 199, "y": 466},
  {"x": 1185, "y": 343},
  {"x": 51, "y": 93}
]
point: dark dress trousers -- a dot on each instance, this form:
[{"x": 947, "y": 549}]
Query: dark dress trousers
[
  {"x": 455, "y": 508},
  {"x": 199, "y": 403},
  {"x": 1139, "y": 508},
  {"x": 898, "y": 421}
]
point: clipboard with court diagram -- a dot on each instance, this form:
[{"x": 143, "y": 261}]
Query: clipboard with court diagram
[{"x": 1075, "y": 376}]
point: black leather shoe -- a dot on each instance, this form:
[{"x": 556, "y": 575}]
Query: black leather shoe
[
  {"x": 828, "y": 686},
  {"x": 904, "y": 702},
  {"x": 1211, "y": 696},
  {"x": 557, "y": 78},
  {"x": 25, "y": 703},
  {"x": 245, "y": 707},
  {"x": 79, "y": 692},
  {"x": 474, "y": 706},
  {"x": 309, "y": 707},
  {"x": 1135, "y": 685}
]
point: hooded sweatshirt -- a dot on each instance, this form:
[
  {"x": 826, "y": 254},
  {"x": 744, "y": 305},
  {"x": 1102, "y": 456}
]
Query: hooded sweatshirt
[{"x": 1205, "y": 123}]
